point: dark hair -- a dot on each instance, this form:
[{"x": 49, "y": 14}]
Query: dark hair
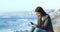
[{"x": 40, "y": 9}]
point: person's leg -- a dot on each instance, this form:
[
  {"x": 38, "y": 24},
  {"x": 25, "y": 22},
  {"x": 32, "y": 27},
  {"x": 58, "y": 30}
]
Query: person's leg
[{"x": 39, "y": 30}]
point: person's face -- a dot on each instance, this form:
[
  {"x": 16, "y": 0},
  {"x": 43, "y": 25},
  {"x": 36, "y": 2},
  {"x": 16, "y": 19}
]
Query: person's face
[{"x": 38, "y": 13}]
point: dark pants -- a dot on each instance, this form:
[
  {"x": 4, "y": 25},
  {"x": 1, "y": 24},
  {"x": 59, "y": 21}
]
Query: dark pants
[{"x": 37, "y": 30}]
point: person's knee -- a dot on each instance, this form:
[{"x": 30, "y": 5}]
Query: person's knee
[{"x": 40, "y": 30}]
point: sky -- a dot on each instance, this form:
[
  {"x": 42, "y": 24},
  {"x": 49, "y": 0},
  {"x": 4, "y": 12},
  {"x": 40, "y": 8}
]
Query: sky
[{"x": 27, "y": 5}]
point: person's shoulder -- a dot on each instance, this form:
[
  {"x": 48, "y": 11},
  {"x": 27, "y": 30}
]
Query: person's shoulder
[{"x": 47, "y": 16}]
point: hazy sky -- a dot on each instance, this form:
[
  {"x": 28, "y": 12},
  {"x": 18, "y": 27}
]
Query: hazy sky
[{"x": 29, "y": 5}]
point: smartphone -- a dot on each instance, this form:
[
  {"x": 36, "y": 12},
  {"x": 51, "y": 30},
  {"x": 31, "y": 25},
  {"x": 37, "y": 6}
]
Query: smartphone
[{"x": 32, "y": 23}]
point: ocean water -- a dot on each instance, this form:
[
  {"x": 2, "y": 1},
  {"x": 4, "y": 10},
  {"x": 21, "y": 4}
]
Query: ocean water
[
  {"x": 17, "y": 23},
  {"x": 11, "y": 25}
]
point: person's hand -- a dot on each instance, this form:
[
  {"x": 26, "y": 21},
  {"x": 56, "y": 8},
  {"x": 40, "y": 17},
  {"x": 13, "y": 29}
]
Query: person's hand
[{"x": 34, "y": 26}]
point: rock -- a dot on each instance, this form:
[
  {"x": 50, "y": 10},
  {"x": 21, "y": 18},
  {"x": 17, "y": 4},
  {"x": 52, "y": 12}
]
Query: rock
[{"x": 55, "y": 16}]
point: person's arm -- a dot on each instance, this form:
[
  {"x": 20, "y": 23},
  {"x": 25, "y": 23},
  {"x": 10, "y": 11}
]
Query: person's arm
[{"x": 33, "y": 27}]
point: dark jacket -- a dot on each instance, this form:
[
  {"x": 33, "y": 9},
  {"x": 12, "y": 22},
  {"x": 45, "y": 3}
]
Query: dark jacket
[{"x": 47, "y": 25}]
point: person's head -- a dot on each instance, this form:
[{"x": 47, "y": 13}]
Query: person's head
[{"x": 40, "y": 12}]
